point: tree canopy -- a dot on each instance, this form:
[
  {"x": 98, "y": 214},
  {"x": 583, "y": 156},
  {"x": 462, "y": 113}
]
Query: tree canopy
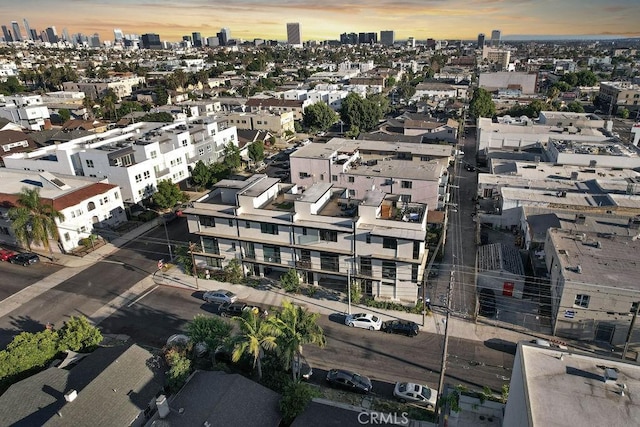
[
  {"x": 34, "y": 219},
  {"x": 256, "y": 151},
  {"x": 168, "y": 194},
  {"x": 481, "y": 104},
  {"x": 232, "y": 156},
  {"x": 319, "y": 116},
  {"x": 361, "y": 113}
]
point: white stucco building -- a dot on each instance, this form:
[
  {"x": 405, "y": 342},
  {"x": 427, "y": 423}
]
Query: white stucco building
[{"x": 27, "y": 111}]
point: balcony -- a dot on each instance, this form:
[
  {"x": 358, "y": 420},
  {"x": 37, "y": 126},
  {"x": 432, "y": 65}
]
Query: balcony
[
  {"x": 306, "y": 263},
  {"x": 250, "y": 255},
  {"x": 273, "y": 259}
]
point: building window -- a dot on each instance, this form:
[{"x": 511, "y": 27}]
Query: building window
[
  {"x": 233, "y": 246},
  {"x": 304, "y": 231},
  {"x": 351, "y": 180},
  {"x": 271, "y": 253},
  {"x": 207, "y": 221},
  {"x": 230, "y": 223},
  {"x": 416, "y": 250},
  {"x": 147, "y": 174},
  {"x": 365, "y": 266},
  {"x": 582, "y": 301},
  {"x": 153, "y": 154},
  {"x": 304, "y": 175},
  {"x": 210, "y": 245},
  {"x": 634, "y": 307},
  {"x": 321, "y": 177},
  {"x": 368, "y": 238},
  {"x": 405, "y": 184},
  {"x": 91, "y": 206},
  {"x": 334, "y": 178},
  {"x": 201, "y": 151},
  {"x": 247, "y": 224},
  {"x": 116, "y": 195},
  {"x": 329, "y": 235},
  {"x": 138, "y": 178},
  {"x": 388, "y": 243},
  {"x": 90, "y": 163},
  {"x": 268, "y": 228},
  {"x": 414, "y": 272},
  {"x": 67, "y": 237},
  {"x": 388, "y": 270}
]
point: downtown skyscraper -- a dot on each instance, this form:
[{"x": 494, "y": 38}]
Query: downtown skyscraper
[{"x": 294, "y": 37}]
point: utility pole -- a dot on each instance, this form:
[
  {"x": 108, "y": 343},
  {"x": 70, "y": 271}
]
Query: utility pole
[
  {"x": 348, "y": 286},
  {"x": 633, "y": 322},
  {"x": 443, "y": 365},
  {"x": 192, "y": 247}
]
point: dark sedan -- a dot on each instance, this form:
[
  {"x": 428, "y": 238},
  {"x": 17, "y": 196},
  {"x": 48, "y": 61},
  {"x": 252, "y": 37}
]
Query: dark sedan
[
  {"x": 25, "y": 259},
  {"x": 404, "y": 327},
  {"x": 349, "y": 381}
]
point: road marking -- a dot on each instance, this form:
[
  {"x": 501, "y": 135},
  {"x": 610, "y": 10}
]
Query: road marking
[{"x": 142, "y": 296}]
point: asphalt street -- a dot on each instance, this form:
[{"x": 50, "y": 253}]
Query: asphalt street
[
  {"x": 90, "y": 289},
  {"x": 14, "y": 278},
  {"x": 383, "y": 357}
]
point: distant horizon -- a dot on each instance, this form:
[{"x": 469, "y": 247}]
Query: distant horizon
[{"x": 250, "y": 19}]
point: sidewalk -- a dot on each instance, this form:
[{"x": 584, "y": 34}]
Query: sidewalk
[{"x": 269, "y": 295}]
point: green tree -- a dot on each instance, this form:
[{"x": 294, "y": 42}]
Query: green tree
[
  {"x": 34, "y": 219},
  {"x": 319, "y": 116},
  {"x": 297, "y": 327},
  {"x": 586, "y": 78},
  {"x": 406, "y": 90},
  {"x": 27, "y": 352},
  {"x": 11, "y": 86},
  {"x": 575, "y": 107},
  {"x": 256, "y": 337},
  {"x": 290, "y": 281},
  {"x": 624, "y": 113},
  {"x": 361, "y": 113},
  {"x": 232, "y": 156},
  {"x": 212, "y": 331},
  {"x": 256, "y": 151},
  {"x": 201, "y": 174},
  {"x": 179, "y": 368},
  {"x": 481, "y": 104},
  {"x": 570, "y": 78},
  {"x": 157, "y": 117},
  {"x": 78, "y": 334},
  {"x": 162, "y": 96},
  {"x": 295, "y": 398},
  {"x": 64, "y": 114},
  {"x": 233, "y": 271},
  {"x": 168, "y": 194},
  {"x": 219, "y": 171}
]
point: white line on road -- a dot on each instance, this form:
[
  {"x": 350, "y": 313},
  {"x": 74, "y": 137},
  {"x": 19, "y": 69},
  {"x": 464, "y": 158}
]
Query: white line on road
[{"x": 142, "y": 296}]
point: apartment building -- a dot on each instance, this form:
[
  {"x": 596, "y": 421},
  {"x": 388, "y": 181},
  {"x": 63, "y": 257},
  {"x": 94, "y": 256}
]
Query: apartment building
[
  {"x": 498, "y": 58},
  {"x": 416, "y": 172},
  {"x": 135, "y": 158},
  {"x": 327, "y": 236},
  {"x": 122, "y": 86},
  {"x": 616, "y": 95},
  {"x": 523, "y": 82},
  {"x": 594, "y": 286},
  {"x": 88, "y": 204},
  {"x": 278, "y": 106},
  {"x": 27, "y": 111},
  {"x": 276, "y": 123}
]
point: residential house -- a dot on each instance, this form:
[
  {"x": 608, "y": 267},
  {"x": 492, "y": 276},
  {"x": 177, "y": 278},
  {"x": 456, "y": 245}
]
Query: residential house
[
  {"x": 27, "y": 111},
  {"x": 278, "y": 106},
  {"x": 275, "y": 123},
  {"x": 122, "y": 86},
  {"x": 14, "y": 141},
  {"x": 112, "y": 386},
  {"x": 323, "y": 233},
  {"x": 88, "y": 204}
]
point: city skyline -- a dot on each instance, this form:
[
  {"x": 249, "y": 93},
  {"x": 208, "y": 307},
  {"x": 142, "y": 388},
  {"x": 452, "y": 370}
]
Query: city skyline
[{"x": 249, "y": 19}]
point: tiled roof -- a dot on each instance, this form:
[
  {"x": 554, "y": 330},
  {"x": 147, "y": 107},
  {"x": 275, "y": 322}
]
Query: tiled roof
[{"x": 67, "y": 200}]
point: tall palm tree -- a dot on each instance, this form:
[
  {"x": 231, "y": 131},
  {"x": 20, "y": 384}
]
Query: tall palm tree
[
  {"x": 256, "y": 337},
  {"x": 297, "y": 327},
  {"x": 34, "y": 220}
]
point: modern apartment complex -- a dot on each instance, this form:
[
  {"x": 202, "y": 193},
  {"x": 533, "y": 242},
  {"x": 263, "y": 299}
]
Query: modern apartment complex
[
  {"x": 616, "y": 95},
  {"x": 414, "y": 172},
  {"x": 27, "y": 111},
  {"x": 322, "y": 232},
  {"x": 136, "y": 157}
]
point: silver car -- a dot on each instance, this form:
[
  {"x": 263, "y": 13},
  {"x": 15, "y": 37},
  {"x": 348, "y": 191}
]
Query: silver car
[{"x": 220, "y": 296}]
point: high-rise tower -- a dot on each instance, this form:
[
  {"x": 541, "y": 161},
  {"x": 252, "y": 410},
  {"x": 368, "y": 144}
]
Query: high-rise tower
[
  {"x": 294, "y": 37},
  {"x": 27, "y": 29},
  {"x": 387, "y": 38},
  {"x": 480, "y": 40},
  {"x": 495, "y": 38},
  {"x": 17, "y": 35}
]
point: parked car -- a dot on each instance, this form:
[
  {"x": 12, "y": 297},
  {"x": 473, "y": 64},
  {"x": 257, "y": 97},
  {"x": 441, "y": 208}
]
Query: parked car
[
  {"x": 470, "y": 168},
  {"x": 305, "y": 368},
  {"x": 415, "y": 393},
  {"x": 220, "y": 296},
  {"x": 349, "y": 380},
  {"x": 363, "y": 320},
  {"x": 284, "y": 174},
  {"x": 404, "y": 327},
  {"x": 434, "y": 272},
  {"x": 487, "y": 300},
  {"x": 26, "y": 258},
  {"x": 5, "y": 254}
]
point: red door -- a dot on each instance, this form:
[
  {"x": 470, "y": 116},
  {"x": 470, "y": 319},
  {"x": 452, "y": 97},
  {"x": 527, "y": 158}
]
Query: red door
[{"x": 507, "y": 289}]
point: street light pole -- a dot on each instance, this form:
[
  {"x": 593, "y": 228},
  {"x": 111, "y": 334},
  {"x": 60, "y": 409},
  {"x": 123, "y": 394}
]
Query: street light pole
[
  {"x": 192, "y": 247},
  {"x": 166, "y": 233},
  {"x": 443, "y": 365}
]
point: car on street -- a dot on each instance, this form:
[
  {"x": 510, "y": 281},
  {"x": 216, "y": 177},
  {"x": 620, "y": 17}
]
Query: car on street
[
  {"x": 220, "y": 296},
  {"x": 363, "y": 320},
  {"x": 434, "y": 272},
  {"x": 349, "y": 380},
  {"x": 305, "y": 368},
  {"x": 404, "y": 327},
  {"x": 232, "y": 309},
  {"x": 470, "y": 168},
  {"x": 283, "y": 174},
  {"x": 5, "y": 254},
  {"x": 415, "y": 393},
  {"x": 487, "y": 300},
  {"x": 26, "y": 258}
]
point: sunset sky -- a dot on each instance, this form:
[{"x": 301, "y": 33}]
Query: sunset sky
[{"x": 327, "y": 19}]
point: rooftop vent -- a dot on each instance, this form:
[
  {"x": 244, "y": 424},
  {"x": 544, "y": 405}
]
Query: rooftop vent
[
  {"x": 580, "y": 219},
  {"x": 71, "y": 395},
  {"x": 610, "y": 375},
  {"x": 574, "y": 176},
  {"x": 634, "y": 223}
]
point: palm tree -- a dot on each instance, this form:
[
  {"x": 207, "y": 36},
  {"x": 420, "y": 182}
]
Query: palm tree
[
  {"x": 34, "y": 220},
  {"x": 257, "y": 335},
  {"x": 297, "y": 327}
]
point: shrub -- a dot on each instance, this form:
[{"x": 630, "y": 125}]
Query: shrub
[
  {"x": 179, "y": 369},
  {"x": 295, "y": 398},
  {"x": 290, "y": 281},
  {"x": 356, "y": 293},
  {"x": 233, "y": 272}
]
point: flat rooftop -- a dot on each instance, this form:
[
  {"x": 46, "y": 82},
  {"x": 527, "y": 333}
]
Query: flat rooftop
[
  {"x": 342, "y": 145},
  {"x": 604, "y": 148},
  {"x": 426, "y": 171},
  {"x": 571, "y": 390},
  {"x": 610, "y": 259},
  {"x": 541, "y": 170}
]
